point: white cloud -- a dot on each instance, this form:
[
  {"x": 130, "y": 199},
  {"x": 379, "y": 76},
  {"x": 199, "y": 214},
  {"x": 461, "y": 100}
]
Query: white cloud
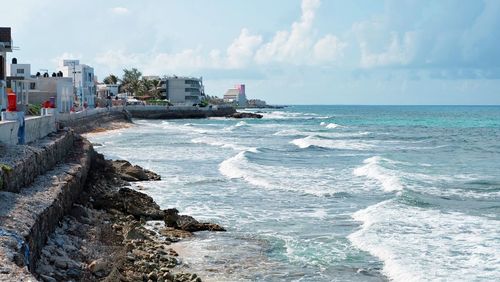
[
  {"x": 398, "y": 52},
  {"x": 297, "y": 46},
  {"x": 242, "y": 50},
  {"x": 291, "y": 46},
  {"x": 120, "y": 10},
  {"x": 328, "y": 48}
]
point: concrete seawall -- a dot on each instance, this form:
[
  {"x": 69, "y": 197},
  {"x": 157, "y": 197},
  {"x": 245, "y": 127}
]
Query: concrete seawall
[
  {"x": 162, "y": 112},
  {"x": 86, "y": 121}
]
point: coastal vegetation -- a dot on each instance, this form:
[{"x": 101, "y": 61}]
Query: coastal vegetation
[{"x": 136, "y": 84}]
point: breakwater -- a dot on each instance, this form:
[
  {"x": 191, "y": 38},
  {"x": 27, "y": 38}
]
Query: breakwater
[{"x": 179, "y": 112}]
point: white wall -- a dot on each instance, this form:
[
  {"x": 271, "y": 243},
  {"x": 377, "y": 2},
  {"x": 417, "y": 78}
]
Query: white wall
[
  {"x": 24, "y": 70},
  {"x": 8, "y": 132},
  {"x": 35, "y": 128},
  {"x": 39, "y": 127}
]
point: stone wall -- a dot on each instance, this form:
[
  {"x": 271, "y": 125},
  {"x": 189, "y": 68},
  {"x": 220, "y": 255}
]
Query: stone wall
[
  {"x": 29, "y": 214},
  {"x": 22, "y": 163}
]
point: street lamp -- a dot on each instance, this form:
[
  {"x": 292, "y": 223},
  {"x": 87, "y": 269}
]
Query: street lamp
[{"x": 73, "y": 63}]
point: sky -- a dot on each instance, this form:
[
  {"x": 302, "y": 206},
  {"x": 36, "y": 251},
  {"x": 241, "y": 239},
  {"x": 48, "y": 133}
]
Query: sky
[{"x": 285, "y": 51}]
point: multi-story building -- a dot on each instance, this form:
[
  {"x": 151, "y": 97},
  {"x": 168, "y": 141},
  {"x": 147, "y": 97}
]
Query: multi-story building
[
  {"x": 5, "y": 46},
  {"x": 236, "y": 95},
  {"x": 182, "y": 90},
  {"x": 83, "y": 81}
]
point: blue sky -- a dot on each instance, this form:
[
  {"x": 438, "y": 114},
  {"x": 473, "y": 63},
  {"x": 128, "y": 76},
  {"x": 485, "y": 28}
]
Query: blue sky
[{"x": 285, "y": 51}]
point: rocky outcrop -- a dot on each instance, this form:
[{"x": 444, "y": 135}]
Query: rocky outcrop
[
  {"x": 130, "y": 202},
  {"x": 129, "y": 172},
  {"x": 106, "y": 236},
  {"x": 244, "y": 115},
  {"x": 188, "y": 223}
]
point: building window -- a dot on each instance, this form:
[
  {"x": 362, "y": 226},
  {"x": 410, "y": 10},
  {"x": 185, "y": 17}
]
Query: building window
[
  {"x": 20, "y": 71},
  {"x": 32, "y": 85}
]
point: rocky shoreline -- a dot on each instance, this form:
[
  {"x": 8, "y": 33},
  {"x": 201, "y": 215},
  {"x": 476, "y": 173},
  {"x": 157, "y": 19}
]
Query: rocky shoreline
[{"x": 114, "y": 233}]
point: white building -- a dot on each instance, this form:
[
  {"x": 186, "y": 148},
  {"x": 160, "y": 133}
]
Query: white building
[
  {"x": 105, "y": 90},
  {"x": 19, "y": 70},
  {"x": 5, "y": 46},
  {"x": 182, "y": 90},
  {"x": 236, "y": 95},
  {"x": 38, "y": 89},
  {"x": 83, "y": 81}
]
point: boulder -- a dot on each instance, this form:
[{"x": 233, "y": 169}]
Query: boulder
[
  {"x": 98, "y": 265},
  {"x": 244, "y": 115},
  {"x": 130, "y": 202},
  {"x": 173, "y": 219},
  {"x": 128, "y": 172}
]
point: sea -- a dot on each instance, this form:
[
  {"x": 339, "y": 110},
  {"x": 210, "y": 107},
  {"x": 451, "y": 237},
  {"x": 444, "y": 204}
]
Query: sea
[{"x": 330, "y": 193}]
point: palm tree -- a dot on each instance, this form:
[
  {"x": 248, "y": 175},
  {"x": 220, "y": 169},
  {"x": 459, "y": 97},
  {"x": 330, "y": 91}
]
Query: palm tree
[
  {"x": 111, "y": 79},
  {"x": 155, "y": 88},
  {"x": 145, "y": 86},
  {"x": 131, "y": 81}
]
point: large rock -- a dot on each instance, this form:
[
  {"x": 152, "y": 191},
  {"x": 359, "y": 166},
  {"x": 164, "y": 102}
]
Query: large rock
[
  {"x": 244, "y": 115},
  {"x": 188, "y": 223},
  {"x": 130, "y": 202},
  {"x": 128, "y": 172}
]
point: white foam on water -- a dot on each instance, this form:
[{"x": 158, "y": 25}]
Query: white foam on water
[
  {"x": 387, "y": 178},
  {"x": 419, "y": 244},
  {"x": 291, "y": 115},
  {"x": 309, "y": 141},
  {"x": 238, "y": 125},
  {"x": 298, "y": 179},
  {"x": 329, "y": 125},
  {"x": 212, "y": 141},
  {"x": 237, "y": 167},
  {"x": 289, "y": 132}
]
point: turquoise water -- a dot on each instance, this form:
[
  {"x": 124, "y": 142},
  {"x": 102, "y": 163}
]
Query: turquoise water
[{"x": 331, "y": 193}]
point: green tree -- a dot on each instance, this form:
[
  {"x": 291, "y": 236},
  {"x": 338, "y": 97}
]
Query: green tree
[
  {"x": 155, "y": 88},
  {"x": 131, "y": 81},
  {"x": 111, "y": 79}
]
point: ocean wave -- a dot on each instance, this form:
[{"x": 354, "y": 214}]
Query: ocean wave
[
  {"x": 289, "y": 132},
  {"x": 212, "y": 141},
  {"x": 238, "y": 167},
  {"x": 329, "y": 125},
  {"x": 238, "y": 125},
  {"x": 245, "y": 166},
  {"x": 310, "y": 141},
  {"x": 373, "y": 169},
  {"x": 450, "y": 246},
  {"x": 291, "y": 115}
]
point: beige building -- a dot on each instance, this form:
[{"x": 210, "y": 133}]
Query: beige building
[{"x": 236, "y": 95}]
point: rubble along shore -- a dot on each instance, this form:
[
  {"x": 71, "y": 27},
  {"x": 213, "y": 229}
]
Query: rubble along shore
[{"x": 105, "y": 236}]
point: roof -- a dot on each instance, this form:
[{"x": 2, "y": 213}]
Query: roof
[{"x": 232, "y": 92}]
